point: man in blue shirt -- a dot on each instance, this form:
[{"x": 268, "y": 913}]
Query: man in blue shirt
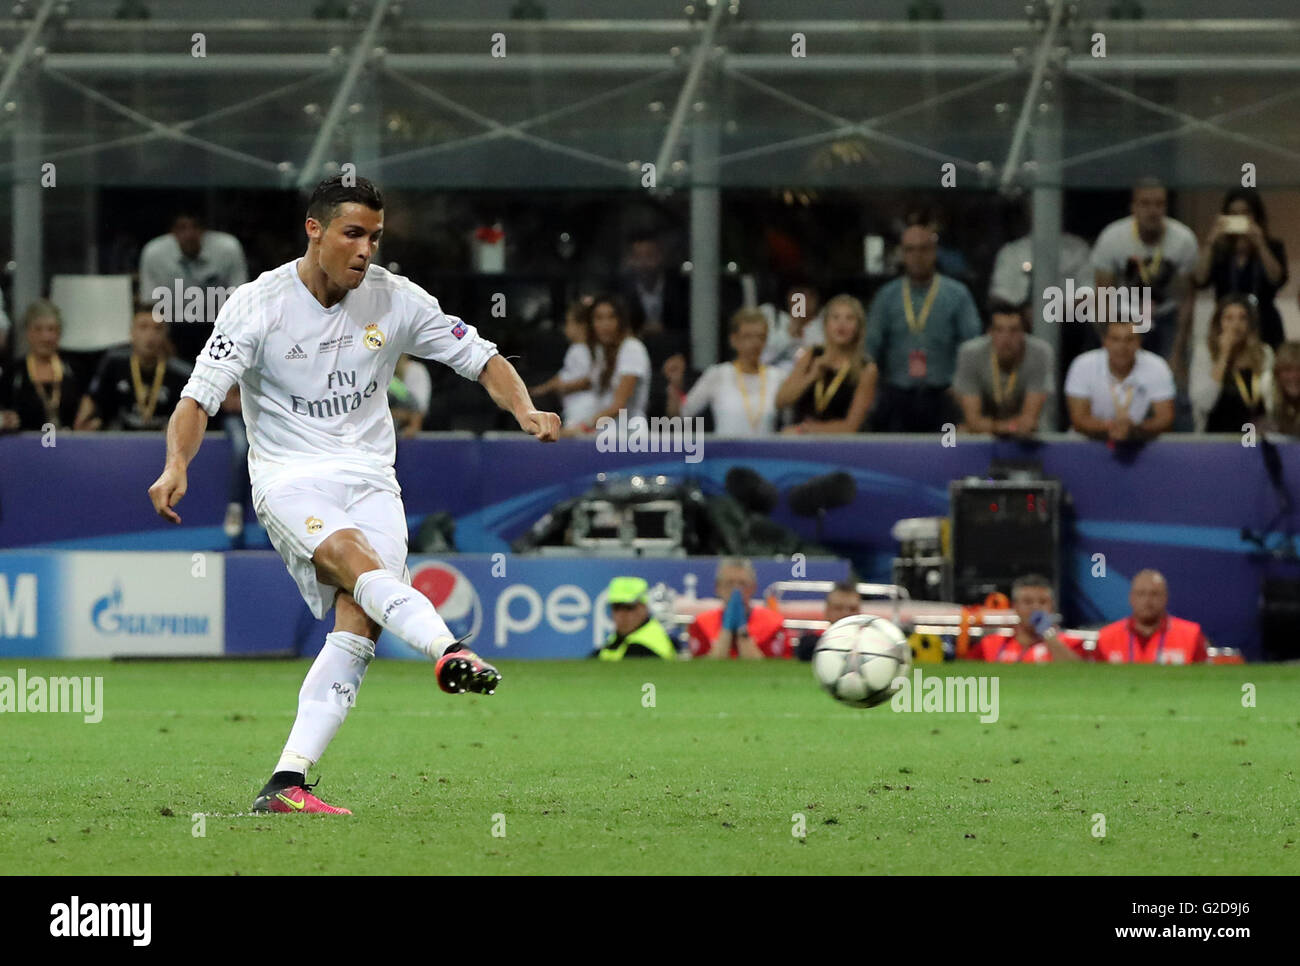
[{"x": 915, "y": 326}]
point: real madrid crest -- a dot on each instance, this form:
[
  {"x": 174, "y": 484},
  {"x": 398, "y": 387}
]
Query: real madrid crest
[
  {"x": 373, "y": 338},
  {"x": 314, "y": 524}
]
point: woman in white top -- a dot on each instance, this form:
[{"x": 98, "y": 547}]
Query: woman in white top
[
  {"x": 741, "y": 393},
  {"x": 573, "y": 381},
  {"x": 1232, "y": 371},
  {"x": 620, "y": 371}
]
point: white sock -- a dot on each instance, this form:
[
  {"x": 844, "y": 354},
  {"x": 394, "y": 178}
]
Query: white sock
[
  {"x": 328, "y": 691},
  {"x": 402, "y": 609}
]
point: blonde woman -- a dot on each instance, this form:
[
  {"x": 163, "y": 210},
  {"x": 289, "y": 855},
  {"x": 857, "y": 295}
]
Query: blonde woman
[
  {"x": 1284, "y": 398},
  {"x": 832, "y": 387},
  {"x": 741, "y": 393},
  {"x": 1232, "y": 372},
  {"x": 42, "y": 389}
]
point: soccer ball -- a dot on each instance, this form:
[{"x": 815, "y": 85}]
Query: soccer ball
[{"x": 858, "y": 658}]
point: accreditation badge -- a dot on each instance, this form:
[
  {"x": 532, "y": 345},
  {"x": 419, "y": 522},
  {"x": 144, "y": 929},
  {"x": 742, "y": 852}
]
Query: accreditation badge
[{"x": 916, "y": 364}]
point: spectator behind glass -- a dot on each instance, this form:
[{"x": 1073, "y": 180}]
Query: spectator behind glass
[
  {"x": 1232, "y": 371},
  {"x": 1149, "y": 250},
  {"x": 842, "y": 601},
  {"x": 741, "y": 393},
  {"x": 1120, "y": 392},
  {"x": 41, "y": 389},
  {"x": 1239, "y": 258},
  {"x": 916, "y": 325},
  {"x": 1003, "y": 378},
  {"x": 833, "y": 386},
  {"x": 799, "y": 325},
  {"x": 135, "y": 388},
  {"x": 5, "y": 328},
  {"x": 656, "y": 300},
  {"x": 736, "y": 629},
  {"x": 1036, "y": 638},
  {"x": 1151, "y": 635},
  {"x": 198, "y": 259},
  {"x": 1284, "y": 400},
  {"x": 409, "y": 394},
  {"x": 573, "y": 382},
  {"x": 620, "y": 369}
]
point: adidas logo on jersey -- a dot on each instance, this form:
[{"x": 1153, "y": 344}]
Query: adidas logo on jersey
[{"x": 296, "y": 352}]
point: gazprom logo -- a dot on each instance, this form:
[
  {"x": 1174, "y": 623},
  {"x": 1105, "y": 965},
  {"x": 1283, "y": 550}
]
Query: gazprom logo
[
  {"x": 18, "y": 605},
  {"x": 109, "y": 617}
]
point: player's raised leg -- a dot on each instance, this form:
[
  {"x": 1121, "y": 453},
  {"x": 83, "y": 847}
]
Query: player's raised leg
[
  {"x": 346, "y": 560},
  {"x": 327, "y": 694}
]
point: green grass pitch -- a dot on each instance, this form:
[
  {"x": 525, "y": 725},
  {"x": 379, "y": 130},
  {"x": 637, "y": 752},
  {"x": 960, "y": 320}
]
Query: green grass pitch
[{"x": 582, "y": 777}]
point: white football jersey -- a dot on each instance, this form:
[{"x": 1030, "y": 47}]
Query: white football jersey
[{"x": 314, "y": 381}]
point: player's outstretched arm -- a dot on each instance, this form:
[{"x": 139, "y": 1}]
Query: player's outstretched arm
[
  {"x": 508, "y": 391},
  {"x": 184, "y": 434}
]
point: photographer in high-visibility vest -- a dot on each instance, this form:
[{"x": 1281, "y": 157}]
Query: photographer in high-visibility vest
[{"x": 636, "y": 633}]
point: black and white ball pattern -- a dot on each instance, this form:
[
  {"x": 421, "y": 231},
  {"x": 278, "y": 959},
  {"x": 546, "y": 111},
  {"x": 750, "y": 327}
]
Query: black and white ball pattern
[
  {"x": 220, "y": 347},
  {"x": 858, "y": 659}
]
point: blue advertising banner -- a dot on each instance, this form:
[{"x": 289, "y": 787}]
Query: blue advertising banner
[
  {"x": 32, "y": 596},
  {"x": 1178, "y": 505},
  {"x": 515, "y": 607}
]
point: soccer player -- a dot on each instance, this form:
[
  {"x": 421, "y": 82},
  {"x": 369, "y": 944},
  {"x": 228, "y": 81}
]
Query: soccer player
[{"x": 313, "y": 345}]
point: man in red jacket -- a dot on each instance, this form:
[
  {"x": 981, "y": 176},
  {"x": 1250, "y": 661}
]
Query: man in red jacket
[
  {"x": 1035, "y": 640},
  {"x": 1151, "y": 635},
  {"x": 736, "y": 629}
]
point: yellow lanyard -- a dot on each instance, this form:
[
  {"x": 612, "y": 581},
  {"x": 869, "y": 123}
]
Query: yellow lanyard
[
  {"x": 1156, "y": 258},
  {"x": 1000, "y": 391},
  {"x": 756, "y": 419},
  {"x": 1249, "y": 396},
  {"x": 1121, "y": 409},
  {"x": 50, "y": 402},
  {"x": 913, "y": 323},
  {"x": 146, "y": 405},
  {"x": 823, "y": 394}
]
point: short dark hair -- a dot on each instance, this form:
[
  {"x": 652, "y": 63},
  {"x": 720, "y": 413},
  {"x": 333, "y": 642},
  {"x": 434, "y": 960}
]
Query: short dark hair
[
  {"x": 1001, "y": 306},
  {"x": 1030, "y": 580},
  {"x": 332, "y": 192},
  {"x": 187, "y": 213},
  {"x": 844, "y": 587},
  {"x": 1147, "y": 184}
]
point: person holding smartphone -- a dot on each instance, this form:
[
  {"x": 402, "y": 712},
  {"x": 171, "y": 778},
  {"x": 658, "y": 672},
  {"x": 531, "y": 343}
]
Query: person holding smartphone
[{"x": 1240, "y": 258}]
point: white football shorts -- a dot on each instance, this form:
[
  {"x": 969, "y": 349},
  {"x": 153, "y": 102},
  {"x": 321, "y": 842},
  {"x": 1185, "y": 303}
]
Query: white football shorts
[{"x": 300, "y": 513}]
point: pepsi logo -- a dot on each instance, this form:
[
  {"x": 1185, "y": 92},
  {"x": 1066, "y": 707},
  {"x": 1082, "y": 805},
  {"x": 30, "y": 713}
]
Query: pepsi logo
[{"x": 453, "y": 596}]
